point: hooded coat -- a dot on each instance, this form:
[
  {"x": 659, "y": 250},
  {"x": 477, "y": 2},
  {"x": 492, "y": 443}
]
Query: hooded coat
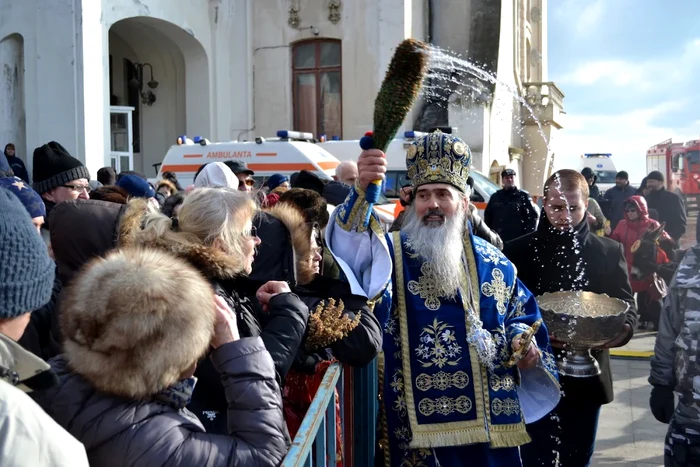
[
  {"x": 121, "y": 390},
  {"x": 364, "y": 342},
  {"x": 281, "y": 327},
  {"x": 629, "y": 231}
]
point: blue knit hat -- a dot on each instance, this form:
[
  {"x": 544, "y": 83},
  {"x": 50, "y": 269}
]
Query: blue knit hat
[
  {"x": 276, "y": 180},
  {"x": 136, "y": 186},
  {"x": 30, "y": 198},
  {"x": 26, "y": 271}
]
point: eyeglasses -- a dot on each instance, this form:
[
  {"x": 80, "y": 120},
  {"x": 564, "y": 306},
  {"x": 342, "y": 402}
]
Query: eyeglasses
[
  {"x": 631, "y": 210},
  {"x": 78, "y": 188},
  {"x": 253, "y": 232}
]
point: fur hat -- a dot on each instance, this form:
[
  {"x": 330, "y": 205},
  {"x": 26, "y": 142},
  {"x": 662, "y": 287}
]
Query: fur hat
[
  {"x": 312, "y": 205},
  {"x": 54, "y": 166},
  {"x": 143, "y": 330},
  {"x": 300, "y": 232}
]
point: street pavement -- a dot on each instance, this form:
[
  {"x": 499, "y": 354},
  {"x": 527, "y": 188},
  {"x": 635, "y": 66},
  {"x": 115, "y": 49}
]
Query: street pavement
[{"x": 628, "y": 434}]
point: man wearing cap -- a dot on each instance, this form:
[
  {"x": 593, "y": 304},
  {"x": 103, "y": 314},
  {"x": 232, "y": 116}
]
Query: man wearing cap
[
  {"x": 243, "y": 173},
  {"x": 27, "y": 435},
  {"x": 669, "y": 206},
  {"x": 616, "y": 196},
  {"x": 456, "y": 381},
  {"x": 58, "y": 176},
  {"x": 510, "y": 212}
]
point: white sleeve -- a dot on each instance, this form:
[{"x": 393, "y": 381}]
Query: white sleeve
[{"x": 363, "y": 256}]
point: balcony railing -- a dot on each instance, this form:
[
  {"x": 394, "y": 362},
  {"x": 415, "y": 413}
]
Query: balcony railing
[{"x": 315, "y": 442}]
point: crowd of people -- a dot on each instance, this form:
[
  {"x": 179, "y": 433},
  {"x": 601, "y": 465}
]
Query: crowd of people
[{"x": 156, "y": 324}]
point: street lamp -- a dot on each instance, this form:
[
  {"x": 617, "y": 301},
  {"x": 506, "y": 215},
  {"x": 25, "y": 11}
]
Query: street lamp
[{"x": 147, "y": 96}]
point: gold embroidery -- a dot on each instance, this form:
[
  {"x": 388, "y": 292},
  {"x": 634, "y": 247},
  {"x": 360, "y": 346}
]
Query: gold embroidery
[
  {"x": 497, "y": 289},
  {"x": 442, "y": 381},
  {"x": 412, "y": 150},
  {"x": 445, "y": 405},
  {"x": 505, "y": 383},
  {"x": 506, "y": 406},
  {"x": 434, "y": 435},
  {"x": 438, "y": 346},
  {"x": 415, "y": 458},
  {"x": 426, "y": 287}
]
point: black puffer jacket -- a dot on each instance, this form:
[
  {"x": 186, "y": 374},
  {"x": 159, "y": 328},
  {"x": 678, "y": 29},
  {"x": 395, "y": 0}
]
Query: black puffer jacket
[{"x": 120, "y": 432}]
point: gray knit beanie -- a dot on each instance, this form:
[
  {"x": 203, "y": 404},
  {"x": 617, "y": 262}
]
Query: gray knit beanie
[{"x": 26, "y": 271}]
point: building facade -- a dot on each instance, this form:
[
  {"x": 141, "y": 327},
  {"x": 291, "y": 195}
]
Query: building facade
[{"x": 117, "y": 81}]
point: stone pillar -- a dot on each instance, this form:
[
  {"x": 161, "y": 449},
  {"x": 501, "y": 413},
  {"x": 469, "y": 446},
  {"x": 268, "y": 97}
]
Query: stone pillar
[
  {"x": 12, "y": 113},
  {"x": 92, "y": 70}
]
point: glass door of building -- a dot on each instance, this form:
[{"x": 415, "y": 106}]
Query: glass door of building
[{"x": 121, "y": 138}]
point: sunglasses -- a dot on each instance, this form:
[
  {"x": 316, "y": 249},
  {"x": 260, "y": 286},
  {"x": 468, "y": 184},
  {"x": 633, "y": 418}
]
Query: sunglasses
[
  {"x": 253, "y": 232},
  {"x": 630, "y": 209},
  {"x": 78, "y": 188}
]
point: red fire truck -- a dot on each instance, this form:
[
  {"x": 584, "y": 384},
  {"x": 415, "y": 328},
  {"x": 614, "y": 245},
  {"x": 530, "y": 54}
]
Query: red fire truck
[{"x": 680, "y": 164}]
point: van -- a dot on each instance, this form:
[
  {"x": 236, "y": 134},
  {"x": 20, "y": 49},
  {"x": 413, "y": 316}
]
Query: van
[
  {"x": 603, "y": 167},
  {"x": 286, "y": 154},
  {"x": 349, "y": 150},
  {"x": 289, "y": 152}
]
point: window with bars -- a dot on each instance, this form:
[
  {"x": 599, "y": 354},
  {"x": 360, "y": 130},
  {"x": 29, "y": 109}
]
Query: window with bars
[{"x": 317, "y": 87}]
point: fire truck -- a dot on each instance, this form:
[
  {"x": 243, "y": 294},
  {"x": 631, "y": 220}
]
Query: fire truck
[{"x": 680, "y": 164}]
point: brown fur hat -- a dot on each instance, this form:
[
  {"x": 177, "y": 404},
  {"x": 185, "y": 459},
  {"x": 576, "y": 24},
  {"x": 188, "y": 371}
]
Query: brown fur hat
[
  {"x": 168, "y": 184},
  {"x": 130, "y": 327},
  {"x": 300, "y": 231}
]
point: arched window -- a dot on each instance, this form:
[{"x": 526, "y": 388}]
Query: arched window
[{"x": 317, "y": 87}]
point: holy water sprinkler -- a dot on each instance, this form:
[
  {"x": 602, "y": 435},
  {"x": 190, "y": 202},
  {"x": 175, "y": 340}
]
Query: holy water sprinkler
[{"x": 397, "y": 95}]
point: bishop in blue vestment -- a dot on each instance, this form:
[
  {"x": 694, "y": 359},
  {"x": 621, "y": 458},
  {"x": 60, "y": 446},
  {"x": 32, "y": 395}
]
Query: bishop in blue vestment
[{"x": 457, "y": 383}]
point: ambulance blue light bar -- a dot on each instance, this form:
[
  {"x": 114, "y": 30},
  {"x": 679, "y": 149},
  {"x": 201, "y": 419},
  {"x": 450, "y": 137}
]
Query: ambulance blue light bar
[
  {"x": 413, "y": 134},
  {"x": 286, "y": 134},
  {"x": 597, "y": 155}
]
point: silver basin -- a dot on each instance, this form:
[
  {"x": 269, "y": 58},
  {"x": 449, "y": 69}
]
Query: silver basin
[{"x": 581, "y": 320}]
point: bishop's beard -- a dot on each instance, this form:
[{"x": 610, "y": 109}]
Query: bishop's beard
[{"x": 440, "y": 245}]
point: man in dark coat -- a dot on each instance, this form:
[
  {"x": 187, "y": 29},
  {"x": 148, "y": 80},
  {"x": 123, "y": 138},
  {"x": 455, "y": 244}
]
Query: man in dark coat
[
  {"x": 17, "y": 164},
  {"x": 564, "y": 255},
  {"x": 668, "y": 205},
  {"x": 510, "y": 212},
  {"x": 615, "y": 198}
]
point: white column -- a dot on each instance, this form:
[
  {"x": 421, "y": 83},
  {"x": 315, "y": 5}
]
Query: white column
[
  {"x": 93, "y": 88},
  {"x": 12, "y": 113}
]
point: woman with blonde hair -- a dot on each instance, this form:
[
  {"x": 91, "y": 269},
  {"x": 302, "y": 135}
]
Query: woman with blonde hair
[{"x": 214, "y": 232}]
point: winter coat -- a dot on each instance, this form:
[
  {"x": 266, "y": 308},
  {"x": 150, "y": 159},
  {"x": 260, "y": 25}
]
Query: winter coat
[
  {"x": 120, "y": 432},
  {"x": 671, "y": 211},
  {"x": 364, "y": 342},
  {"x": 41, "y": 336},
  {"x": 546, "y": 262},
  {"x": 628, "y": 232},
  {"x": 28, "y": 436},
  {"x": 281, "y": 327},
  {"x": 18, "y": 167},
  {"x": 675, "y": 361},
  {"x": 481, "y": 230},
  {"x": 510, "y": 213},
  {"x": 615, "y": 198},
  {"x": 595, "y": 211}
]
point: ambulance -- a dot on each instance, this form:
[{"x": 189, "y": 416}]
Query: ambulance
[
  {"x": 289, "y": 152},
  {"x": 603, "y": 167},
  {"x": 349, "y": 150}
]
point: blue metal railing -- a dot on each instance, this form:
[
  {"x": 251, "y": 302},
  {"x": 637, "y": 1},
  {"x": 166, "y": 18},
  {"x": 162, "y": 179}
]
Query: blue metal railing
[
  {"x": 317, "y": 430},
  {"x": 315, "y": 442}
]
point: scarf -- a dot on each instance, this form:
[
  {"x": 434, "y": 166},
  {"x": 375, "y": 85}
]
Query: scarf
[
  {"x": 178, "y": 395},
  {"x": 558, "y": 256}
]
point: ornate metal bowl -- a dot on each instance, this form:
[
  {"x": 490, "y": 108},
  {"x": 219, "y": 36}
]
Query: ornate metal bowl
[{"x": 581, "y": 320}]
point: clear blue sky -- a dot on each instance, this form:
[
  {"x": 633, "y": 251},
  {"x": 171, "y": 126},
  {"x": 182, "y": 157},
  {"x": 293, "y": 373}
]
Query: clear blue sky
[{"x": 630, "y": 73}]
